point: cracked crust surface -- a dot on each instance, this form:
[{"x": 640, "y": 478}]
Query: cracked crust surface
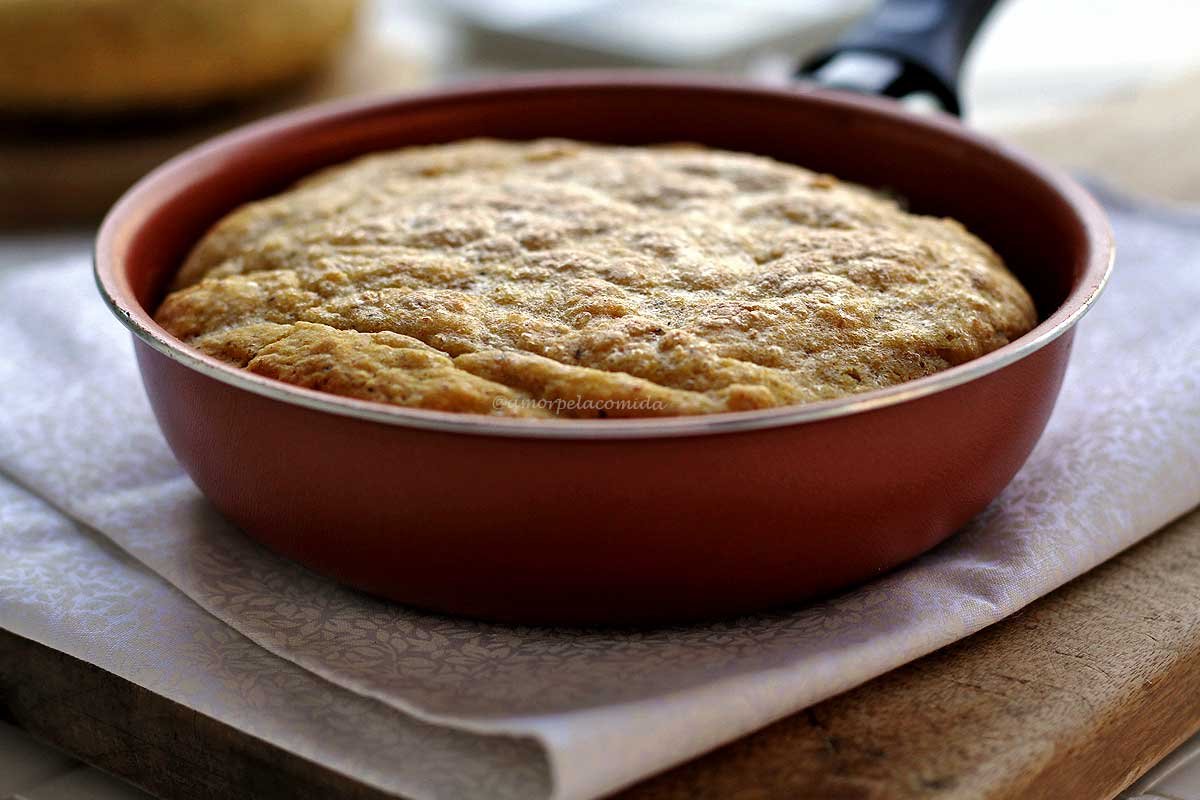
[{"x": 561, "y": 278}]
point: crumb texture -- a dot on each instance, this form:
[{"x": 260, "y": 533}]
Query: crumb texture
[{"x": 561, "y": 278}]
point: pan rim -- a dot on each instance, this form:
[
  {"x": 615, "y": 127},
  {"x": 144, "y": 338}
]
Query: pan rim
[{"x": 130, "y": 213}]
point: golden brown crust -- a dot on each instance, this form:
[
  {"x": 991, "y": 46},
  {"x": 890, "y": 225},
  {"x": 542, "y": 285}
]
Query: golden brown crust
[
  {"x": 555, "y": 277},
  {"x": 106, "y": 56}
]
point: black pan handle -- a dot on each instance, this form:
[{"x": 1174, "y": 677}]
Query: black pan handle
[{"x": 905, "y": 47}]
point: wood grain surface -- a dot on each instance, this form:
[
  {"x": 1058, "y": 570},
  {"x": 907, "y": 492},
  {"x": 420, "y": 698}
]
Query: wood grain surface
[
  {"x": 159, "y": 745},
  {"x": 1072, "y": 699}
]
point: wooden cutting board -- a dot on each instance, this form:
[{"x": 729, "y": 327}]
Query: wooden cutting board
[{"x": 1072, "y": 698}]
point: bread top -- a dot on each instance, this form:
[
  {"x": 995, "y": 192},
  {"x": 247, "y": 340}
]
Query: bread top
[
  {"x": 99, "y": 57},
  {"x": 558, "y": 278}
]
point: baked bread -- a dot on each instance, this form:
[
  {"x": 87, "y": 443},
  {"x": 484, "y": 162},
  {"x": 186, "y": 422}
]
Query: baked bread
[
  {"x": 557, "y": 278},
  {"x": 111, "y": 56}
]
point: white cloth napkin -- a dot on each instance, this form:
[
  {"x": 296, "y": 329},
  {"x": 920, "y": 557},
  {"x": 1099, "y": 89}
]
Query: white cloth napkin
[{"x": 111, "y": 554}]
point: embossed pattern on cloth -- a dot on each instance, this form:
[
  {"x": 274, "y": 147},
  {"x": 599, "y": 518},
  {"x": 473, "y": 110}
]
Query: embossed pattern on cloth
[
  {"x": 69, "y": 588},
  {"x": 1120, "y": 458},
  {"x": 522, "y": 278}
]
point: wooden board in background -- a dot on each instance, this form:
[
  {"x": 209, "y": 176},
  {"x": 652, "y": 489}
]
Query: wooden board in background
[{"x": 1071, "y": 699}]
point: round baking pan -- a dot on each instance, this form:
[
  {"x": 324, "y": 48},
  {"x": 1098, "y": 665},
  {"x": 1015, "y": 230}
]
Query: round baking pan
[{"x": 613, "y": 521}]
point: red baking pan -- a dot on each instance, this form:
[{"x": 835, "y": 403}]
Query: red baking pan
[{"x": 643, "y": 520}]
